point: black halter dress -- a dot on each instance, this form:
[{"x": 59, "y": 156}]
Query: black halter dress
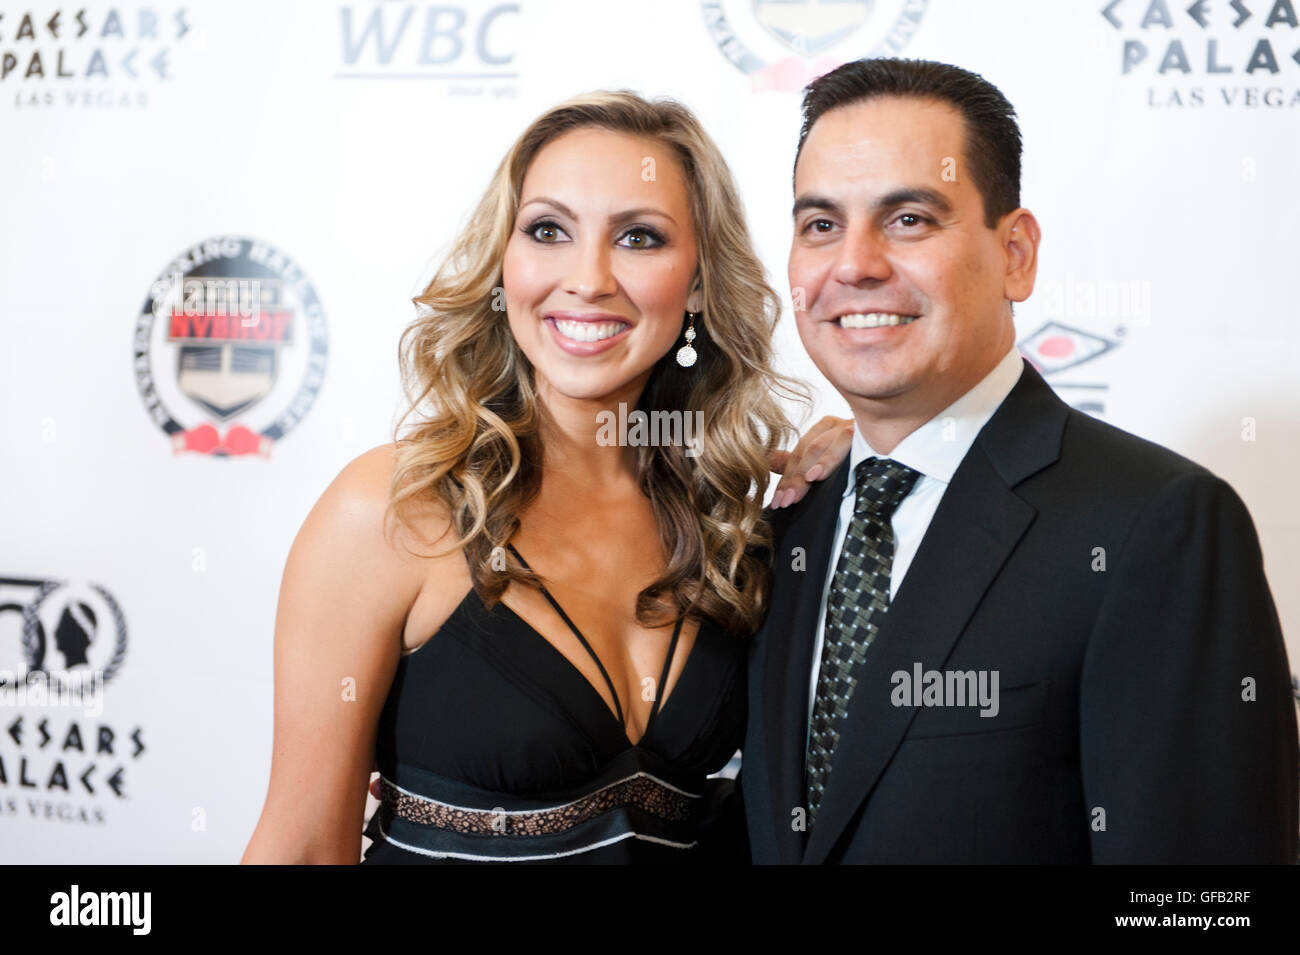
[{"x": 493, "y": 747}]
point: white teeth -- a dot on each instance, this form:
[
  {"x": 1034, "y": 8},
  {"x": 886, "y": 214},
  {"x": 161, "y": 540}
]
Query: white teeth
[
  {"x": 589, "y": 331},
  {"x": 875, "y": 320}
]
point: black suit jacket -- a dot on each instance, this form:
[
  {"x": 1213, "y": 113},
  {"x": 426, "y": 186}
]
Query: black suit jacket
[{"x": 1122, "y": 735}]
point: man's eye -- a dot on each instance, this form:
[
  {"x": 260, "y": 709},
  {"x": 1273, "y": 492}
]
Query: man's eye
[
  {"x": 816, "y": 225},
  {"x": 911, "y": 219}
]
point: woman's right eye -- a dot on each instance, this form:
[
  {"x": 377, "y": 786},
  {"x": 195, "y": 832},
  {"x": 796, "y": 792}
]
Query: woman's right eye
[{"x": 544, "y": 230}]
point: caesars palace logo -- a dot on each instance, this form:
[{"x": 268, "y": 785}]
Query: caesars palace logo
[
  {"x": 61, "y": 760},
  {"x": 1225, "y": 54},
  {"x": 230, "y": 348},
  {"x": 80, "y": 58},
  {"x": 782, "y": 45}
]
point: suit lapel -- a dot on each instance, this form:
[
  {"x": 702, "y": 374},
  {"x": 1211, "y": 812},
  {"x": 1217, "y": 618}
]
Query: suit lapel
[
  {"x": 790, "y": 631},
  {"x": 977, "y": 525}
]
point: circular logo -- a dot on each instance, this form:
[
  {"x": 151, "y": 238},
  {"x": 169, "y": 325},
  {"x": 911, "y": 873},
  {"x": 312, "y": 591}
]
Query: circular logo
[
  {"x": 69, "y": 631},
  {"x": 785, "y": 44},
  {"x": 230, "y": 347}
]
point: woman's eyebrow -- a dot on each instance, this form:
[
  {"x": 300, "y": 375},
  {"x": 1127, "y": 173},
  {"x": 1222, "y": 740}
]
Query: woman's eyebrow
[{"x": 614, "y": 219}]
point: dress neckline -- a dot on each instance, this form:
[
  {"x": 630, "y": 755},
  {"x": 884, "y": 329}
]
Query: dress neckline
[{"x": 617, "y": 713}]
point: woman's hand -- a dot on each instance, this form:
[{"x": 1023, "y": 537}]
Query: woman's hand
[{"x": 815, "y": 456}]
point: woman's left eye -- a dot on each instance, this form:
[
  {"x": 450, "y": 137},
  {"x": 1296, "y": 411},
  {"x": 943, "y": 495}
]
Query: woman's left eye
[{"x": 642, "y": 237}]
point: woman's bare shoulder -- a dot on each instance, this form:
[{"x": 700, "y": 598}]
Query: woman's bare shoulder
[
  {"x": 421, "y": 548},
  {"x": 421, "y": 544},
  {"x": 362, "y": 489}
]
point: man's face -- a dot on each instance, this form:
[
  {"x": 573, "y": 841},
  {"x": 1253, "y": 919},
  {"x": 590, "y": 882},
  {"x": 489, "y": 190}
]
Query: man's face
[{"x": 889, "y": 227}]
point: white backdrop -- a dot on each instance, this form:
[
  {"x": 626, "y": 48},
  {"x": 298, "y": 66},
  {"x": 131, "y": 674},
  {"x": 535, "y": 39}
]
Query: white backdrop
[{"x": 346, "y": 141}]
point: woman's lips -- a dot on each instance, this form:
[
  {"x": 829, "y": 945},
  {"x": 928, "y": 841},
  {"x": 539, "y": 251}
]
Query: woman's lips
[{"x": 575, "y": 346}]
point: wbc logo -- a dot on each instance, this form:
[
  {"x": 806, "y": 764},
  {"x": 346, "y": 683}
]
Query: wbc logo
[{"x": 230, "y": 348}]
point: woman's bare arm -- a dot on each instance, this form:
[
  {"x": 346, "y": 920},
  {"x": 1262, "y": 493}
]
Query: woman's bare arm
[{"x": 344, "y": 598}]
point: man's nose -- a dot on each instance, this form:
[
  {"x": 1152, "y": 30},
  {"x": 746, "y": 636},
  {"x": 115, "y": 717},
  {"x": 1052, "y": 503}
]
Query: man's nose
[
  {"x": 590, "y": 274},
  {"x": 862, "y": 257}
]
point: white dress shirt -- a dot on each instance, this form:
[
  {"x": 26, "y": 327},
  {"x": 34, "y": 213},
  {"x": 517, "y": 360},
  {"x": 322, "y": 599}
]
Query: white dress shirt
[{"x": 935, "y": 449}]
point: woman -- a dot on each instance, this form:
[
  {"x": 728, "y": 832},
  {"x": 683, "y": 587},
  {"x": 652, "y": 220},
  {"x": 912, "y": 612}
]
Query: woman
[{"x": 556, "y": 680}]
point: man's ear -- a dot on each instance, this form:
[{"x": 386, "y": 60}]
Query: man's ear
[{"x": 1020, "y": 238}]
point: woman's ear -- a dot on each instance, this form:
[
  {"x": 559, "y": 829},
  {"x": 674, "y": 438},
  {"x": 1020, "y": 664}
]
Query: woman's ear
[{"x": 695, "y": 301}]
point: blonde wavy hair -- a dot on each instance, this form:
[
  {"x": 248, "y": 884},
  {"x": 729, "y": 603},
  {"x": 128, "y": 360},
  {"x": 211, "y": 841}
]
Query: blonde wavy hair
[{"x": 477, "y": 450}]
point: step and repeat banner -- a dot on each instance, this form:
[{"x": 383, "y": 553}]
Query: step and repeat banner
[{"x": 159, "y": 458}]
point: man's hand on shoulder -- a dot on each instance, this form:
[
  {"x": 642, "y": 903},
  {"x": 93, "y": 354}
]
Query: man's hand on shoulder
[{"x": 817, "y": 454}]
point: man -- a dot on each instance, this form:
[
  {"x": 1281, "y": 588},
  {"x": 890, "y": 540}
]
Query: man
[{"x": 1001, "y": 630}]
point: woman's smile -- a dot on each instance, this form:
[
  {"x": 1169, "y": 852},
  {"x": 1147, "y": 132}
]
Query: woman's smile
[{"x": 586, "y": 333}]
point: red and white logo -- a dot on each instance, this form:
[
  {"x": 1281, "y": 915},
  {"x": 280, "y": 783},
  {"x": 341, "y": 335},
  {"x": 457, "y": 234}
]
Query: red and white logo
[{"x": 230, "y": 348}]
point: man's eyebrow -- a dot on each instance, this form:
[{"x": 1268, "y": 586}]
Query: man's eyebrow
[
  {"x": 624, "y": 216},
  {"x": 816, "y": 202},
  {"x": 918, "y": 195},
  {"x": 891, "y": 200}
]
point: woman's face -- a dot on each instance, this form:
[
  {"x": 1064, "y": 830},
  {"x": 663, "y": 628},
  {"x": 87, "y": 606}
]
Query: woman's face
[{"x": 599, "y": 267}]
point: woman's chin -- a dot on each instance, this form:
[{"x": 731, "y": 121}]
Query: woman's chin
[{"x": 606, "y": 390}]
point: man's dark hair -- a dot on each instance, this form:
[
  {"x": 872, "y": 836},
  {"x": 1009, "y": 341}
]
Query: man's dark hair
[{"x": 992, "y": 135}]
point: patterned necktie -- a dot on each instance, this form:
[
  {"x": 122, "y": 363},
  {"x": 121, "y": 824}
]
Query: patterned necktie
[{"x": 855, "y": 608}]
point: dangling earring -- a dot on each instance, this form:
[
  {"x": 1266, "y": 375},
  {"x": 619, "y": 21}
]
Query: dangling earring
[{"x": 686, "y": 354}]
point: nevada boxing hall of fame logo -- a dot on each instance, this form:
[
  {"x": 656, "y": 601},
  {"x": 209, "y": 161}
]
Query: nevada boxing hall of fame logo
[
  {"x": 230, "y": 348},
  {"x": 782, "y": 45}
]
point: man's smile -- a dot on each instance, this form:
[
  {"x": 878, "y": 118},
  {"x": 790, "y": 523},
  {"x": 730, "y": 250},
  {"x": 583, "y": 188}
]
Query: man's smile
[{"x": 874, "y": 319}]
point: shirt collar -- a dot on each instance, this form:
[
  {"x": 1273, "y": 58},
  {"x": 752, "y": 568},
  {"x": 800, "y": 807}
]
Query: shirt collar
[{"x": 936, "y": 448}]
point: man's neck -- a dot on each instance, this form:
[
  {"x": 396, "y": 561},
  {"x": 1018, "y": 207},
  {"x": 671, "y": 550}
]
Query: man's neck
[
  {"x": 885, "y": 434},
  {"x": 884, "y": 423}
]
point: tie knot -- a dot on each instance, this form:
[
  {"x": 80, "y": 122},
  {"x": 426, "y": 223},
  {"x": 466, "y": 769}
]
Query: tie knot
[{"x": 882, "y": 483}]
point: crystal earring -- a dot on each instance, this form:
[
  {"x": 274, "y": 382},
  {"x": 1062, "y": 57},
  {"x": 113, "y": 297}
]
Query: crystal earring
[{"x": 686, "y": 354}]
